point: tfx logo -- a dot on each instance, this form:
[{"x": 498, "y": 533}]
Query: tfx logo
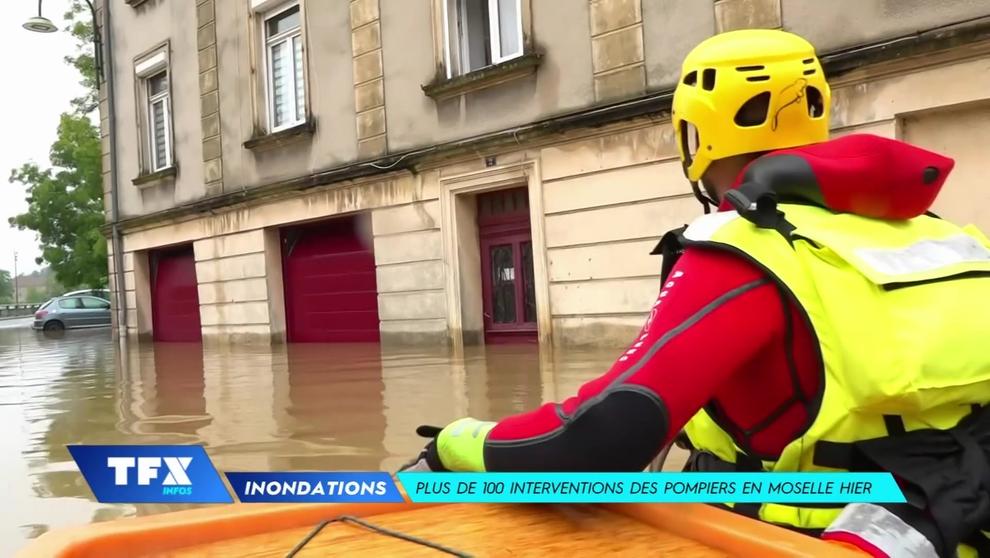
[
  {"x": 150, "y": 474},
  {"x": 176, "y": 481}
]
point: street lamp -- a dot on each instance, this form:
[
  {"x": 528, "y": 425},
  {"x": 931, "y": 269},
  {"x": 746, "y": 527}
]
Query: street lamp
[
  {"x": 17, "y": 297},
  {"x": 41, "y": 24}
]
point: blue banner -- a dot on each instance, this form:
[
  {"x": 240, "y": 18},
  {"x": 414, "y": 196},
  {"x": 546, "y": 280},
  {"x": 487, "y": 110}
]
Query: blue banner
[
  {"x": 313, "y": 487},
  {"x": 150, "y": 474},
  {"x": 780, "y": 488}
]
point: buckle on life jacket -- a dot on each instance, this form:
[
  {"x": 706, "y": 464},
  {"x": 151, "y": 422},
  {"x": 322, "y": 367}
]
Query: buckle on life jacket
[
  {"x": 670, "y": 248},
  {"x": 757, "y": 203}
]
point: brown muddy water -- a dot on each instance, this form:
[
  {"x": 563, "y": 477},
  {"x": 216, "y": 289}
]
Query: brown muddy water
[{"x": 296, "y": 407}]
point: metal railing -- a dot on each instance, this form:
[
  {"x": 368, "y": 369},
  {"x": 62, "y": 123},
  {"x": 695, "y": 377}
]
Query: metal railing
[{"x": 17, "y": 310}]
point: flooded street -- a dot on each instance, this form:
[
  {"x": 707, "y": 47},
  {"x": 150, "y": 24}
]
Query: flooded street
[{"x": 296, "y": 407}]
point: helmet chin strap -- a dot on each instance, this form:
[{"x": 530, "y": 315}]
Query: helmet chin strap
[{"x": 706, "y": 202}]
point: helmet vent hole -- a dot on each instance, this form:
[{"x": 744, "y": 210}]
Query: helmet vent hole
[
  {"x": 708, "y": 79},
  {"x": 750, "y": 68},
  {"x": 758, "y": 78},
  {"x": 754, "y": 112},
  {"x": 691, "y": 79},
  {"x": 808, "y": 60},
  {"x": 810, "y": 72},
  {"x": 816, "y": 102}
]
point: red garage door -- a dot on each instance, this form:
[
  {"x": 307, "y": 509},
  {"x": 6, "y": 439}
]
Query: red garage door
[
  {"x": 174, "y": 295},
  {"x": 331, "y": 294}
]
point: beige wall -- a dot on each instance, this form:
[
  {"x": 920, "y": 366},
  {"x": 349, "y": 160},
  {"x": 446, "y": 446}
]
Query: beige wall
[
  {"x": 330, "y": 96},
  {"x": 964, "y": 134},
  {"x": 607, "y": 202},
  {"x": 671, "y": 28},
  {"x": 233, "y": 289},
  {"x": 563, "y": 81},
  {"x": 137, "y": 32},
  {"x": 835, "y": 24},
  {"x": 410, "y": 273}
]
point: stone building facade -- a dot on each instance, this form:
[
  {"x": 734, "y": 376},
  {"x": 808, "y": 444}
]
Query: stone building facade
[{"x": 462, "y": 171}]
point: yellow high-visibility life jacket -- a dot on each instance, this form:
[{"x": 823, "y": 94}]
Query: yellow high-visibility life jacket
[{"x": 900, "y": 311}]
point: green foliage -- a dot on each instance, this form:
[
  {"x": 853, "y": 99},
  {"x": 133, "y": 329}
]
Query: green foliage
[
  {"x": 65, "y": 201},
  {"x": 6, "y": 286},
  {"x": 65, "y": 205},
  {"x": 80, "y": 26}
]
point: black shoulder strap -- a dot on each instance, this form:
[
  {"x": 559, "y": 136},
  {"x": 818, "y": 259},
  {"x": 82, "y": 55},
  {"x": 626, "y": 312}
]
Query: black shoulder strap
[{"x": 670, "y": 249}]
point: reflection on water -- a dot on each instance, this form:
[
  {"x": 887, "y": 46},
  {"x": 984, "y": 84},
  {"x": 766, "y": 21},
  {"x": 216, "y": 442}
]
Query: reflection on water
[{"x": 321, "y": 407}]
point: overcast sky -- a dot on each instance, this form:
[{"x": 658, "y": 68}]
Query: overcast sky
[{"x": 39, "y": 87}]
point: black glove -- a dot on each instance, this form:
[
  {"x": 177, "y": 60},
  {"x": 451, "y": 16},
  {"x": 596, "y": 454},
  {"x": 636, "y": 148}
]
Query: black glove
[{"x": 428, "y": 460}]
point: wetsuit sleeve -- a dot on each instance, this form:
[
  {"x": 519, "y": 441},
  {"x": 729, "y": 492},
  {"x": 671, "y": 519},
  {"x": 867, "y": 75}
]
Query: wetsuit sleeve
[{"x": 709, "y": 321}]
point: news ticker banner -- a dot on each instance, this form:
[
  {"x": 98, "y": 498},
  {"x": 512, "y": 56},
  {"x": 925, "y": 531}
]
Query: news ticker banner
[
  {"x": 185, "y": 474},
  {"x": 712, "y": 488}
]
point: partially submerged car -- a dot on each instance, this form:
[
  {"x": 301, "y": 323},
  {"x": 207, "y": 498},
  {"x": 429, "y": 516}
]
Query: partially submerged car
[{"x": 72, "y": 312}]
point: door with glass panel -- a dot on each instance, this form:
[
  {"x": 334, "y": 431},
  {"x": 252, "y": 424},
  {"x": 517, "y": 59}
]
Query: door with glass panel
[{"x": 507, "y": 266}]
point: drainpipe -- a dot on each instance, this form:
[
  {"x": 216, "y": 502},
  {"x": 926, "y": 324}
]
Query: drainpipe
[{"x": 118, "y": 244}]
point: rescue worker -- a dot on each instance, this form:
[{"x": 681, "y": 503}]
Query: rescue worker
[{"x": 821, "y": 320}]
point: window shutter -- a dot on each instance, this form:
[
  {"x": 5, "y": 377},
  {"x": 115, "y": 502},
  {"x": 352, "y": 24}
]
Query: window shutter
[
  {"x": 159, "y": 134},
  {"x": 300, "y": 83},
  {"x": 509, "y": 26},
  {"x": 280, "y": 88}
]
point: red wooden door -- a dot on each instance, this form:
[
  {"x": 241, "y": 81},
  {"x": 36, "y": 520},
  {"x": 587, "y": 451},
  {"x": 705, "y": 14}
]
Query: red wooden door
[
  {"x": 331, "y": 292},
  {"x": 175, "y": 295},
  {"x": 507, "y": 266}
]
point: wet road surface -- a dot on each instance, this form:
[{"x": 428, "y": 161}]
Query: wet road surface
[{"x": 316, "y": 407}]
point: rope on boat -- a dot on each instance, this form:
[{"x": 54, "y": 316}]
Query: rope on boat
[{"x": 377, "y": 529}]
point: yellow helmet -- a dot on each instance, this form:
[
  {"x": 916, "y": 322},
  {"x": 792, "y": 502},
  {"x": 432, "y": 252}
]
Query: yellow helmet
[{"x": 748, "y": 91}]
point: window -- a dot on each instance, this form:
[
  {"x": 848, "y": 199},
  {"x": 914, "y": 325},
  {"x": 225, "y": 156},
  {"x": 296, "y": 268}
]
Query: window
[
  {"x": 285, "y": 84},
  {"x": 95, "y": 304},
  {"x": 70, "y": 304},
  {"x": 155, "y": 122},
  {"x": 159, "y": 121},
  {"x": 480, "y": 33}
]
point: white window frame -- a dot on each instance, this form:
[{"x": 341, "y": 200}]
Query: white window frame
[
  {"x": 267, "y": 43},
  {"x": 495, "y": 32},
  {"x": 165, "y": 99},
  {"x": 152, "y": 66},
  {"x": 494, "y": 38}
]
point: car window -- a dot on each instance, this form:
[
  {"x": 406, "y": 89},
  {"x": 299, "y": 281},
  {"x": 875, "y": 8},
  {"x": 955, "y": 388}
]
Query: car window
[
  {"x": 47, "y": 304},
  {"x": 70, "y": 304},
  {"x": 94, "y": 304}
]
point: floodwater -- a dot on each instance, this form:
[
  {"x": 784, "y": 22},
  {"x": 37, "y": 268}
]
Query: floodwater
[{"x": 296, "y": 407}]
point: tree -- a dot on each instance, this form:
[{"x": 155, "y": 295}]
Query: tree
[
  {"x": 35, "y": 296},
  {"x": 65, "y": 205},
  {"x": 65, "y": 202},
  {"x": 81, "y": 27},
  {"x": 6, "y": 286}
]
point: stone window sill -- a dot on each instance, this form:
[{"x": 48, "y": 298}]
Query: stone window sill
[
  {"x": 148, "y": 180},
  {"x": 484, "y": 78},
  {"x": 264, "y": 140}
]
